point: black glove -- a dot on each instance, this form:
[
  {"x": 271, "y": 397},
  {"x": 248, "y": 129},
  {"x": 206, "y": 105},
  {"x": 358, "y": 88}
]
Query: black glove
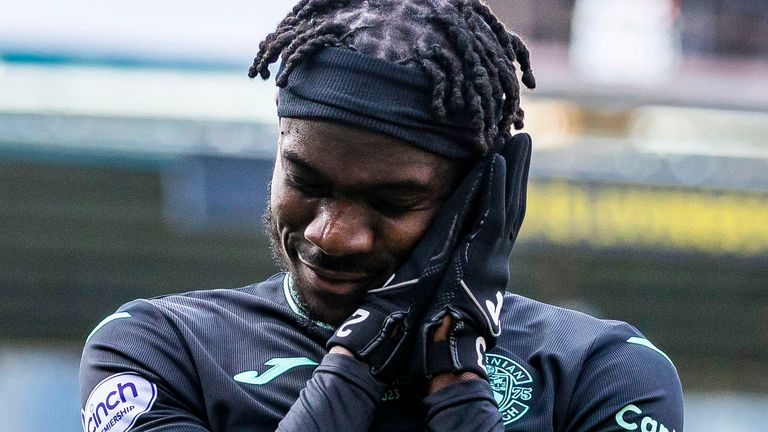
[
  {"x": 473, "y": 286},
  {"x": 384, "y": 328}
]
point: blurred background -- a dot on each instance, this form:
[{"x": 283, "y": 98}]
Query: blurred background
[{"x": 135, "y": 154}]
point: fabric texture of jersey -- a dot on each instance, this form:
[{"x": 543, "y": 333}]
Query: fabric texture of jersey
[{"x": 237, "y": 359}]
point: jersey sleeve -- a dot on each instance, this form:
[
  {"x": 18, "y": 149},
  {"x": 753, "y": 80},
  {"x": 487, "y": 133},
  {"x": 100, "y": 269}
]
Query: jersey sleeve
[
  {"x": 136, "y": 375},
  {"x": 626, "y": 383},
  {"x": 342, "y": 395},
  {"x": 464, "y": 406}
]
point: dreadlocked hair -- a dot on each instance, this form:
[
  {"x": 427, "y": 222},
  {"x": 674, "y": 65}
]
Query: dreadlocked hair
[{"x": 460, "y": 44}]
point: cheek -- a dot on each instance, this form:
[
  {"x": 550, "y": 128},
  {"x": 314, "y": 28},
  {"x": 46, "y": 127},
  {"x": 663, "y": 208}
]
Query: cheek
[
  {"x": 403, "y": 234},
  {"x": 290, "y": 211}
]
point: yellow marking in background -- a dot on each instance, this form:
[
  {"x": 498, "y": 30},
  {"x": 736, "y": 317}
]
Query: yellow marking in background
[{"x": 608, "y": 216}]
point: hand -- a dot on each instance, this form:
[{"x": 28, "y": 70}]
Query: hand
[
  {"x": 472, "y": 289},
  {"x": 444, "y": 379},
  {"x": 381, "y": 332}
]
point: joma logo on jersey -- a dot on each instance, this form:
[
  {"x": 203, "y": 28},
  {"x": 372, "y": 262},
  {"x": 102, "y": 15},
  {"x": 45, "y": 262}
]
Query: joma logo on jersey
[
  {"x": 511, "y": 385},
  {"x": 278, "y": 367}
]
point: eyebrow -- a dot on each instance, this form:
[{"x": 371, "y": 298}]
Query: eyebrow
[
  {"x": 406, "y": 186},
  {"x": 296, "y": 159}
]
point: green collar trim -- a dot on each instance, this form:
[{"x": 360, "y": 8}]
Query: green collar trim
[{"x": 293, "y": 301}]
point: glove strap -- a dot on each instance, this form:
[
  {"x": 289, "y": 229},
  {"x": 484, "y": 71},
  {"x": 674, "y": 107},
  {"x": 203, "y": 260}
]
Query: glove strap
[
  {"x": 377, "y": 344},
  {"x": 464, "y": 351}
]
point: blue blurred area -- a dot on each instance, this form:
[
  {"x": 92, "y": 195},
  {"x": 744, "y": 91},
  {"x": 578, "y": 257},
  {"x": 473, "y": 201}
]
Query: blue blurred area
[
  {"x": 216, "y": 193},
  {"x": 40, "y": 388}
]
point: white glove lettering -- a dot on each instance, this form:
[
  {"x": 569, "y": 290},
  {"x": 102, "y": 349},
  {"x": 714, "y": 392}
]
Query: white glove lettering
[
  {"x": 495, "y": 309},
  {"x": 359, "y": 316}
]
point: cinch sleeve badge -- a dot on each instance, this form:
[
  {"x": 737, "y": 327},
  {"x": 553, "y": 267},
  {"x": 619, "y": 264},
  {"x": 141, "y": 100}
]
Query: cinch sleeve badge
[{"x": 116, "y": 402}]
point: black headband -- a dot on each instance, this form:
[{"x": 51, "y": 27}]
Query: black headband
[{"x": 340, "y": 84}]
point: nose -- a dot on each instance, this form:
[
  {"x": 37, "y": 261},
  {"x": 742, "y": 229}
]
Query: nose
[{"x": 341, "y": 228}]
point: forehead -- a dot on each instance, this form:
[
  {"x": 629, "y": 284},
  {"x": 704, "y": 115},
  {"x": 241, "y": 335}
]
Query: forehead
[{"x": 354, "y": 154}]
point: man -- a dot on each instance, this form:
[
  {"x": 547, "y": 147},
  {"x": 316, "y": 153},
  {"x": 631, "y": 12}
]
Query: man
[{"x": 397, "y": 195}]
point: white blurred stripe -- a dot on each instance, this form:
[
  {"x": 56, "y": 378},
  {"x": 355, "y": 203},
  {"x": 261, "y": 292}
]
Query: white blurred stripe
[
  {"x": 221, "y": 31},
  {"x": 154, "y": 93}
]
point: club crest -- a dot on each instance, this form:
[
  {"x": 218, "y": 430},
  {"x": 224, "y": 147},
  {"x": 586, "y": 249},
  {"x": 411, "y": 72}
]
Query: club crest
[{"x": 511, "y": 385}]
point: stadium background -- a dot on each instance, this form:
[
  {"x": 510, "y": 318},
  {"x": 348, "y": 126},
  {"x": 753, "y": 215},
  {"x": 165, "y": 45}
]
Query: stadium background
[{"x": 134, "y": 158}]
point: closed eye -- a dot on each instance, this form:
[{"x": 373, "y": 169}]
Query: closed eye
[
  {"x": 308, "y": 187},
  {"x": 399, "y": 205}
]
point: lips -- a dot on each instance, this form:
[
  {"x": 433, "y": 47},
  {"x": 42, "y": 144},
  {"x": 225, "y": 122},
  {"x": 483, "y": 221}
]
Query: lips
[{"x": 337, "y": 282}]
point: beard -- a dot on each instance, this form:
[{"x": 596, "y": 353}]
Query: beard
[
  {"x": 319, "y": 305},
  {"x": 273, "y": 235}
]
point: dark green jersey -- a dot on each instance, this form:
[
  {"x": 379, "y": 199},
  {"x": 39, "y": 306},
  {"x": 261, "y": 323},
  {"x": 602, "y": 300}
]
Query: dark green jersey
[{"x": 238, "y": 360}]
